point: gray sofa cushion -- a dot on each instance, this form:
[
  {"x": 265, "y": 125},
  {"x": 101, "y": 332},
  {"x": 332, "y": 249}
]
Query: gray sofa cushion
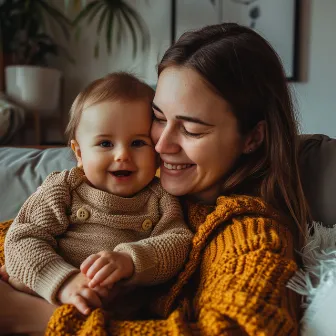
[
  {"x": 22, "y": 170},
  {"x": 318, "y": 175}
]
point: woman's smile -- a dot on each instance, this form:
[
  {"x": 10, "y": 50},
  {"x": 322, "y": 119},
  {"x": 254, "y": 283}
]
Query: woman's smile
[{"x": 176, "y": 166}]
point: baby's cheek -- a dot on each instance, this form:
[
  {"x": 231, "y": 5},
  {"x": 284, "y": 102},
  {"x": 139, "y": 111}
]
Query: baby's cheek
[{"x": 92, "y": 168}]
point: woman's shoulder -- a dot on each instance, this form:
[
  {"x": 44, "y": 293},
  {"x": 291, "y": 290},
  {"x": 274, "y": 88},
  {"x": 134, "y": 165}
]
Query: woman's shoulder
[{"x": 241, "y": 219}]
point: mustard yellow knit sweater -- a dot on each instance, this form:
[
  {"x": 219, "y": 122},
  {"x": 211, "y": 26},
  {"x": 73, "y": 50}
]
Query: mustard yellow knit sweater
[{"x": 234, "y": 282}]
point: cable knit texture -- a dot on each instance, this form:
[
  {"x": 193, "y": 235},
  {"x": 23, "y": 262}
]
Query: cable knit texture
[
  {"x": 232, "y": 284},
  {"x": 51, "y": 237}
]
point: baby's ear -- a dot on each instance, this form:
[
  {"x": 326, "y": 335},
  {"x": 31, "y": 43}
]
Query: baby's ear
[{"x": 76, "y": 149}]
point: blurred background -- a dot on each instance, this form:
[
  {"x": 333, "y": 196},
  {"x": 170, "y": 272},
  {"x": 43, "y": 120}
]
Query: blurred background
[{"x": 51, "y": 49}]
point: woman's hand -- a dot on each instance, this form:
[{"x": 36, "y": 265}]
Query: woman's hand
[
  {"x": 77, "y": 292},
  {"x": 106, "y": 268}
]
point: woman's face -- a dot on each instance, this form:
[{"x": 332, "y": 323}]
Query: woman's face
[{"x": 195, "y": 134}]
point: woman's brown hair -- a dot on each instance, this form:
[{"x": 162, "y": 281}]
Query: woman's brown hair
[{"x": 244, "y": 69}]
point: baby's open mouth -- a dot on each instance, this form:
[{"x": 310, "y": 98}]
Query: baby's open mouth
[{"x": 121, "y": 173}]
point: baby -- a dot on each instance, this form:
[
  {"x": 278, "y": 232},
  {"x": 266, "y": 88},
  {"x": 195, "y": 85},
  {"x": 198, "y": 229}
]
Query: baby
[{"x": 108, "y": 219}]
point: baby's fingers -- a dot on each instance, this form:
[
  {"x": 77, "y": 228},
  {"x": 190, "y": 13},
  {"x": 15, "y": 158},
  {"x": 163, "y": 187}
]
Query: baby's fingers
[
  {"x": 88, "y": 262},
  {"x": 81, "y": 304},
  {"x": 91, "y": 299},
  {"x": 102, "y": 274},
  {"x": 102, "y": 292},
  {"x": 110, "y": 280},
  {"x": 97, "y": 266}
]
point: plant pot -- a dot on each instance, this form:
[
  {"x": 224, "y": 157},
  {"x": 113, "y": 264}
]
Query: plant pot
[
  {"x": 36, "y": 89},
  {"x": 5, "y": 60}
]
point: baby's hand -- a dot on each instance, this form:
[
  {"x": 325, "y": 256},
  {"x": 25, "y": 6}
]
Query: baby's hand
[
  {"x": 76, "y": 291},
  {"x": 107, "y": 268}
]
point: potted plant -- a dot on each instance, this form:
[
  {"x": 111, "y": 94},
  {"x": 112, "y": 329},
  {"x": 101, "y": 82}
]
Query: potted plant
[
  {"x": 114, "y": 17},
  {"x": 26, "y": 46}
]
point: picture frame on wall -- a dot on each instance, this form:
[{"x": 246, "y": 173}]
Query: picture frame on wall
[{"x": 277, "y": 21}]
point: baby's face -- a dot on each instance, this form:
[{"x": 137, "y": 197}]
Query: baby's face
[{"x": 115, "y": 148}]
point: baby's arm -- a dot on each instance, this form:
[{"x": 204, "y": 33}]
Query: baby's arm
[{"x": 30, "y": 243}]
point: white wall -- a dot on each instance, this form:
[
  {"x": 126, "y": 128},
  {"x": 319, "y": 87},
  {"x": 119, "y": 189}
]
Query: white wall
[{"x": 315, "y": 94}]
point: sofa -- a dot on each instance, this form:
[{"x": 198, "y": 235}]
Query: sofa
[{"x": 22, "y": 170}]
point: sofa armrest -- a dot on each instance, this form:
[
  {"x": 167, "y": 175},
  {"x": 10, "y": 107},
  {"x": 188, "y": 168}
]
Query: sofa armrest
[
  {"x": 22, "y": 170},
  {"x": 317, "y": 161}
]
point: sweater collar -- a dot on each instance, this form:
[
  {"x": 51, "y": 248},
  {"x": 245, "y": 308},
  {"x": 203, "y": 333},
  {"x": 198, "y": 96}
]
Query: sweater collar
[{"x": 107, "y": 202}]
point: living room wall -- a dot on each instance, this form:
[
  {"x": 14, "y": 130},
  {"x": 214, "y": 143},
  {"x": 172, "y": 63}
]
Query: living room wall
[{"x": 315, "y": 93}]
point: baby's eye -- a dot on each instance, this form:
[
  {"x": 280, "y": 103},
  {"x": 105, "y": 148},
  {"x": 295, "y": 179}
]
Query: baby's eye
[
  {"x": 139, "y": 143},
  {"x": 105, "y": 144}
]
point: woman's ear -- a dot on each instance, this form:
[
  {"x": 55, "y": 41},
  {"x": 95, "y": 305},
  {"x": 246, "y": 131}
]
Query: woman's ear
[
  {"x": 255, "y": 138},
  {"x": 76, "y": 149}
]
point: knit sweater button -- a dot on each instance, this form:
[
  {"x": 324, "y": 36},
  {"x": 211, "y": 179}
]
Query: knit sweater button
[
  {"x": 147, "y": 225},
  {"x": 82, "y": 214}
]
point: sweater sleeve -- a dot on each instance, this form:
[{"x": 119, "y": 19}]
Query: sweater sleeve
[
  {"x": 30, "y": 244},
  {"x": 159, "y": 257}
]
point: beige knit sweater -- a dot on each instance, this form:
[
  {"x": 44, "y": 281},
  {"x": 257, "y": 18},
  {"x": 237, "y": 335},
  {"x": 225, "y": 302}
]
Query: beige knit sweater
[{"x": 66, "y": 220}]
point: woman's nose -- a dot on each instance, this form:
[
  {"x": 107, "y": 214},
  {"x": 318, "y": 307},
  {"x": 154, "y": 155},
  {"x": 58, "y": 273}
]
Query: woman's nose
[{"x": 168, "y": 143}]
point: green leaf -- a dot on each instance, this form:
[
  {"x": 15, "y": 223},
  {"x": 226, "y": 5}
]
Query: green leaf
[
  {"x": 63, "y": 22},
  {"x": 39, "y": 13},
  {"x": 132, "y": 30},
  {"x": 109, "y": 30},
  {"x": 95, "y": 12},
  {"x": 142, "y": 26},
  {"x": 119, "y": 28},
  {"x": 86, "y": 11},
  {"x": 101, "y": 20}
]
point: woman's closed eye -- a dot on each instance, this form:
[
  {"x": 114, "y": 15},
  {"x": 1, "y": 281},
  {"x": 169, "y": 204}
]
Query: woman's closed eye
[
  {"x": 158, "y": 120},
  {"x": 191, "y": 134}
]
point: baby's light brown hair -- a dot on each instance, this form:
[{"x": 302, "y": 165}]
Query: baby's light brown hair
[{"x": 118, "y": 86}]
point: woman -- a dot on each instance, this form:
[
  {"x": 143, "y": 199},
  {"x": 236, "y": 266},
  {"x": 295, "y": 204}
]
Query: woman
[{"x": 226, "y": 133}]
